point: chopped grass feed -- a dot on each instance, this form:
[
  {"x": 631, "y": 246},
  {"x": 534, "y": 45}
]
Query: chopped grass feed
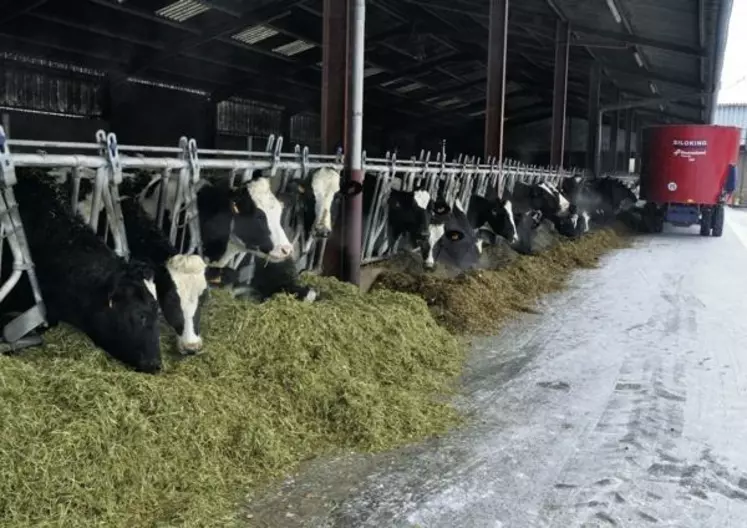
[
  {"x": 86, "y": 442},
  {"x": 478, "y": 301}
]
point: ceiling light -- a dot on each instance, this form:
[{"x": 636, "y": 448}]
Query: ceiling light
[
  {"x": 638, "y": 59},
  {"x": 615, "y": 12},
  {"x": 652, "y": 87}
]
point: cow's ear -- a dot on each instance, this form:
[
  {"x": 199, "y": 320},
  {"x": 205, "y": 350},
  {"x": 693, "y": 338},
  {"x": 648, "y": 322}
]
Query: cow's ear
[
  {"x": 454, "y": 234},
  {"x": 295, "y": 187},
  {"x": 351, "y": 188},
  {"x": 441, "y": 208}
]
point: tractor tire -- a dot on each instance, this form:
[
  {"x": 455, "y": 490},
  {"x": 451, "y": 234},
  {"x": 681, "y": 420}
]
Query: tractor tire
[
  {"x": 706, "y": 222},
  {"x": 717, "y": 221}
]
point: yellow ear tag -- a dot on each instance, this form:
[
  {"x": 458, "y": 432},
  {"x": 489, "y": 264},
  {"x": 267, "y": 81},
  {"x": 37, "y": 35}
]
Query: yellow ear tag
[{"x": 234, "y": 208}]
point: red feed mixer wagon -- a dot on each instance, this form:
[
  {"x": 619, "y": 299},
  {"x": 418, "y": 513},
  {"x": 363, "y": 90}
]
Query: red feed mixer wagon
[{"x": 687, "y": 172}]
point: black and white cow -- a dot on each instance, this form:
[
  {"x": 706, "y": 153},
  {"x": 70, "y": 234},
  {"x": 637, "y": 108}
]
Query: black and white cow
[
  {"x": 311, "y": 206},
  {"x": 491, "y": 217},
  {"x": 179, "y": 283},
  {"x": 181, "y": 286},
  {"x": 83, "y": 282},
  {"x": 568, "y": 218},
  {"x": 416, "y": 217},
  {"x": 603, "y": 198},
  {"x": 311, "y": 203}
]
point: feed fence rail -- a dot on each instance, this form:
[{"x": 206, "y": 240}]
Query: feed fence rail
[{"x": 178, "y": 172}]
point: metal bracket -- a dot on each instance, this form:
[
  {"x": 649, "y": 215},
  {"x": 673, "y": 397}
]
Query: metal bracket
[{"x": 106, "y": 186}]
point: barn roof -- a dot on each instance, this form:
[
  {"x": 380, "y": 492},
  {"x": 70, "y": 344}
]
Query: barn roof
[{"x": 425, "y": 59}]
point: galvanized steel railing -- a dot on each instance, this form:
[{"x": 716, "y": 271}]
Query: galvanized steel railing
[{"x": 104, "y": 161}]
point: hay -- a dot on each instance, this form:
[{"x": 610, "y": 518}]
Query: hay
[
  {"x": 85, "y": 442},
  {"x": 477, "y": 302}
]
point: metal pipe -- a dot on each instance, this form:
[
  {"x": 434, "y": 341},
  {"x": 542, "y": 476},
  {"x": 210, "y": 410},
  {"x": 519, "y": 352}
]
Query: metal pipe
[{"x": 354, "y": 159}]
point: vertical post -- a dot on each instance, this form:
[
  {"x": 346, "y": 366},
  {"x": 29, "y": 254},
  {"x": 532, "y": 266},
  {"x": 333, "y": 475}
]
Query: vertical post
[
  {"x": 614, "y": 130},
  {"x": 351, "y": 269},
  {"x": 334, "y": 73},
  {"x": 593, "y": 117},
  {"x": 496, "y": 85},
  {"x": 560, "y": 93},
  {"x": 334, "y": 99},
  {"x": 628, "y": 137}
]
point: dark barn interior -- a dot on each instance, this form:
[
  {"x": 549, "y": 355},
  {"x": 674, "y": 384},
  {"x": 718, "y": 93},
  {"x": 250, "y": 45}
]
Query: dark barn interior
[{"x": 231, "y": 72}]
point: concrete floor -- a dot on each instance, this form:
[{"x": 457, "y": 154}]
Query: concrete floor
[{"x": 623, "y": 404}]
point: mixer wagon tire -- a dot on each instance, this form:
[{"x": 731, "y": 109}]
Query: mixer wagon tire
[
  {"x": 717, "y": 221},
  {"x": 653, "y": 222},
  {"x": 706, "y": 222}
]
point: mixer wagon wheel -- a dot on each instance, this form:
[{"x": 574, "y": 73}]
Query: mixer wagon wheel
[
  {"x": 717, "y": 221},
  {"x": 706, "y": 222},
  {"x": 653, "y": 222}
]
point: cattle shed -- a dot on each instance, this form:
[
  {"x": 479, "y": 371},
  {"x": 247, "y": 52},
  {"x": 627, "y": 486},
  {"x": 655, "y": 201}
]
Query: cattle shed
[{"x": 230, "y": 73}]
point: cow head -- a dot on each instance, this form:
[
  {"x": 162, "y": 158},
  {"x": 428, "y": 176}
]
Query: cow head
[
  {"x": 493, "y": 217},
  {"x": 547, "y": 198},
  {"x": 414, "y": 213},
  {"x": 256, "y": 214},
  {"x": 181, "y": 292},
  {"x": 315, "y": 200},
  {"x": 125, "y": 317}
]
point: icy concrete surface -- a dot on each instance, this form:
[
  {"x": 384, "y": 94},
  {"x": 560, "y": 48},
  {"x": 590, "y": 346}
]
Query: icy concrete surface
[{"x": 623, "y": 404}]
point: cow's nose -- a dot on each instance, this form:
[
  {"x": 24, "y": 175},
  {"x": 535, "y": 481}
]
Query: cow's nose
[
  {"x": 190, "y": 347},
  {"x": 282, "y": 251},
  {"x": 323, "y": 232}
]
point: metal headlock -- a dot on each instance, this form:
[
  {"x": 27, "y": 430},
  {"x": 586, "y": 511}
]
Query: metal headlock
[
  {"x": 16, "y": 332},
  {"x": 179, "y": 178}
]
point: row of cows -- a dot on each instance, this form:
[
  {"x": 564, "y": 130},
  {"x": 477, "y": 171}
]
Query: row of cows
[{"x": 117, "y": 302}]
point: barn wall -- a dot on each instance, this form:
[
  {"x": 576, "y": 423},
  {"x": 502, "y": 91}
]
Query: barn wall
[
  {"x": 151, "y": 115},
  {"x": 25, "y": 125}
]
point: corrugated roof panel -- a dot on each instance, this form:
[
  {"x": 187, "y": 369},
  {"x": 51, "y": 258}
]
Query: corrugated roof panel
[
  {"x": 182, "y": 10},
  {"x": 732, "y": 115}
]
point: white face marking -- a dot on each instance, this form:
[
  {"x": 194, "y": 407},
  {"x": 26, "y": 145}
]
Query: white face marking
[
  {"x": 479, "y": 244},
  {"x": 421, "y": 198},
  {"x": 586, "y": 218},
  {"x": 85, "y": 206},
  {"x": 435, "y": 232},
  {"x": 263, "y": 197},
  {"x": 563, "y": 204},
  {"x": 151, "y": 287},
  {"x": 188, "y": 274},
  {"x": 150, "y": 203},
  {"x": 574, "y": 221},
  {"x": 325, "y": 183},
  {"x": 311, "y": 296},
  {"x": 508, "y": 206}
]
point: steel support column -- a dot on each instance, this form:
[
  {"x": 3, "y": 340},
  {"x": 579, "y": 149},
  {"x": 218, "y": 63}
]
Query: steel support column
[
  {"x": 334, "y": 73},
  {"x": 560, "y": 93},
  {"x": 351, "y": 268},
  {"x": 593, "y": 142},
  {"x": 496, "y": 83},
  {"x": 614, "y": 130},
  {"x": 629, "y": 118},
  {"x": 334, "y": 98}
]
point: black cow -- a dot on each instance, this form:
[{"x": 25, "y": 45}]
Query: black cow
[{"x": 83, "y": 282}]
